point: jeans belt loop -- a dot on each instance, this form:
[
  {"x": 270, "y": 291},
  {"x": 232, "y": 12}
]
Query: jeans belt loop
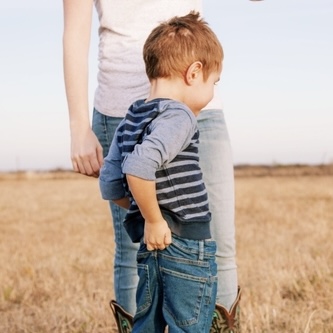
[{"x": 201, "y": 249}]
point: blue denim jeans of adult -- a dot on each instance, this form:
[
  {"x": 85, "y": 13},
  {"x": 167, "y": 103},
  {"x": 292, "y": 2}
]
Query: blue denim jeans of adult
[
  {"x": 177, "y": 287},
  {"x": 216, "y": 163},
  {"x": 125, "y": 267}
]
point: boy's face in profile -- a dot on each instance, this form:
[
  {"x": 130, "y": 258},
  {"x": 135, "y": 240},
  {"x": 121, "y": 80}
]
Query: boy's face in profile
[{"x": 202, "y": 91}]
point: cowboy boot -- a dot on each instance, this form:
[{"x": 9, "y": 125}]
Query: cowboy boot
[
  {"x": 124, "y": 320},
  {"x": 225, "y": 321}
]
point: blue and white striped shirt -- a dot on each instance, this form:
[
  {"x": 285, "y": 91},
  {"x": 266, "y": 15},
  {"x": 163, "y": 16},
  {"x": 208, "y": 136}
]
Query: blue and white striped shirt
[{"x": 158, "y": 141}]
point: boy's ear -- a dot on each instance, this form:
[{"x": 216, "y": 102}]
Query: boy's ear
[{"x": 193, "y": 72}]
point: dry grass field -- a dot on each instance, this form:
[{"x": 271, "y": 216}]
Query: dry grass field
[{"x": 56, "y": 250}]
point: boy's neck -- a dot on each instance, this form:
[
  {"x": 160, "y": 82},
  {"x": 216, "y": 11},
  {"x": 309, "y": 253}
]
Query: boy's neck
[{"x": 172, "y": 88}]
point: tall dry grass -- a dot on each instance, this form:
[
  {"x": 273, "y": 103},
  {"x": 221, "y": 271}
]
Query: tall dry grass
[{"x": 56, "y": 252}]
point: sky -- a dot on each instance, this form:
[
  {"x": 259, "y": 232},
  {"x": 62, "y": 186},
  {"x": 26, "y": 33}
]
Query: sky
[{"x": 277, "y": 82}]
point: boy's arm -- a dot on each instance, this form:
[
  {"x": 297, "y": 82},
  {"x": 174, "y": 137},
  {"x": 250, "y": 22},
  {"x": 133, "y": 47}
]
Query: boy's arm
[
  {"x": 123, "y": 202},
  {"x": 157, "y": 235},
  {"x": 111, "y": 178}
]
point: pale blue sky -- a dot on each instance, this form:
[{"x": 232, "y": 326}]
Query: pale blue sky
[{"x": 277, "y": 84}]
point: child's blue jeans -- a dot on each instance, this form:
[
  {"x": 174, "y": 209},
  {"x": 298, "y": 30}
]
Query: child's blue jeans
[{"x": 177, "y": 287}]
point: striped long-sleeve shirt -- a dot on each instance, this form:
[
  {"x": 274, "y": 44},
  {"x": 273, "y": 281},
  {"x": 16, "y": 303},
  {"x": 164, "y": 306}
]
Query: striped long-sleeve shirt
[{"x": 158, "y": 141}]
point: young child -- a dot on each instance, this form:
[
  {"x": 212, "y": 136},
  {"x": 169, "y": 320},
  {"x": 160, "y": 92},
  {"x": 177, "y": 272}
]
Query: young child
[{"x": 152, "y": 170}]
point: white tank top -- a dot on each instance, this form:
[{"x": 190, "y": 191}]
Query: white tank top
[{"x": 124, "y": 27}]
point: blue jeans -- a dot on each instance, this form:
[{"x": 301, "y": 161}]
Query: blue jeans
[
  {"x": 125, "y": 266},
  {"x": 218, "y": 173},
  {"x": 217, "y": 166},
  {"x": 177, "y": 287}
]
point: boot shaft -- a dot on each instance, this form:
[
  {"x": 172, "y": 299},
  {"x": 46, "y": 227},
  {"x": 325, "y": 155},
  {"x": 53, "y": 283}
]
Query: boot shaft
[
  {"x": 123, "y": 319},
  {"x": 225, "y": 321}
]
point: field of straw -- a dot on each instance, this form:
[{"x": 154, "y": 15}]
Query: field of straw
[{"x": 56, "y": 252}]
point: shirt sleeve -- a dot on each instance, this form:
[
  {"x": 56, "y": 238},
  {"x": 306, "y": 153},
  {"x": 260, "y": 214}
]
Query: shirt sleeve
[
  {"x": 110, "y": 178},
  {"x": 170, "y": 133}
]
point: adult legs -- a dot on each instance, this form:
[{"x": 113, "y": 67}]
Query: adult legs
[
  {"x": 217, "y": 167},
  {"x": 125, "y": 268}
]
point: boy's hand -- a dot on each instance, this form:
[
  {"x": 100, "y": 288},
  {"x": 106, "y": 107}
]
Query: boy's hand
[{"x": 157, "y": 235}]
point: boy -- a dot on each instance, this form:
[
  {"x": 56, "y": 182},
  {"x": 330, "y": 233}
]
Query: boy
[{"x": 152, "y": 170}]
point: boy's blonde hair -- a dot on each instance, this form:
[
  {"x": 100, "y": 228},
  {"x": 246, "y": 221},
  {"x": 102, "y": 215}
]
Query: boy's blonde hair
[{"x": 177, "y": 43}]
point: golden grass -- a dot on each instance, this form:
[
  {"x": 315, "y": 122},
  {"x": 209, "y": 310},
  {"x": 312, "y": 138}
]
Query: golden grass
[
  {"x": 285, "y": 253},
  {"x": 56, "y": 252}
]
